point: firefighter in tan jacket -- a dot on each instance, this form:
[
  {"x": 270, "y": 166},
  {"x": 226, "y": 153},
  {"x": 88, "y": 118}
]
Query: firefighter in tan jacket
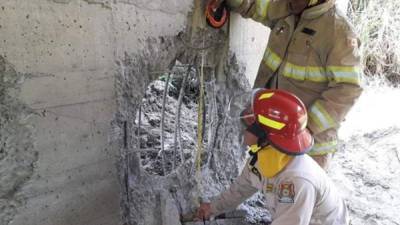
[
  {"x": 297, "y": 189},
  {"x": 313, "y": 53}
]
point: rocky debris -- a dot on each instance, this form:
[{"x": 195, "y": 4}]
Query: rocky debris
[
  {"x": 366, "y": 172},
  {"x": 367, "y": 167}
]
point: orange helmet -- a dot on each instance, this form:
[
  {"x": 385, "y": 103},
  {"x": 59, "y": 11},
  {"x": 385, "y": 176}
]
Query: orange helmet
[{"x": 280, "y": 118}]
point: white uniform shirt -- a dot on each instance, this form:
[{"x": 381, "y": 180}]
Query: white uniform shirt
[{"x": 301, "y": 194}]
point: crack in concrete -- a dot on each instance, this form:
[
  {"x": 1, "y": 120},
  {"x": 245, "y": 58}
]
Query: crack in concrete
[{"x": 74, "y": 103}]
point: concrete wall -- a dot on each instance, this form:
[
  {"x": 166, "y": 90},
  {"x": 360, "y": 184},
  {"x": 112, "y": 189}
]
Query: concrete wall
[
  {"x": 66, "y": 51},
  {"x": 248, "y": 40},
  {"x": 65, "y": 55}
]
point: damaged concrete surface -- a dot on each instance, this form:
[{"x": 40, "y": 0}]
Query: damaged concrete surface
[
  {"x": 142, "y": 190},
  {"x": 68, "y": 52},
  {"x": 17, "y": 154}
]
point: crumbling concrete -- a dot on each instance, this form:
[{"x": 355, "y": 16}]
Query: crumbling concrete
[
  {"x": 86, "y": 65},
  {"x": 67, "y": 52},
  {"x": 223, "y": 154},
  {"x": 17, "y": 155},
  {"x": 169, "y": 210}
]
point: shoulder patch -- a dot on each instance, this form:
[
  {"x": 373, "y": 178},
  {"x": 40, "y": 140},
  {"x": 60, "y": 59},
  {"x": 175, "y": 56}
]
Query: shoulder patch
[{"x": 286, "y": 192}]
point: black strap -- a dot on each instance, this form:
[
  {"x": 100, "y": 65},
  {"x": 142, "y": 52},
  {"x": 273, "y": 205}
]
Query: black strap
[
  {"x": 255, "y": 171},
  {"x": 253, "y": 159},
  {"x": 252, "y": 163},
  {"x": 268, "y": 85}
]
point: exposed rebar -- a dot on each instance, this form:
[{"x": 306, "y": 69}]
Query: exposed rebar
[
  {"x": 178, "y": 118},
  {"x": 139, "y": 124},
  {"x": 213, "y": 114},
  {"x": 200, "y": 129},
  {"x": 163, "y": 124}
]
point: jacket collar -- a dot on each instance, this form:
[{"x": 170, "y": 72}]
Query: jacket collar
[{"x": 318, "y": 10}]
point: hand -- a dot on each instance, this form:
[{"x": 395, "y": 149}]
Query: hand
[{"x": 204, "y": 211}]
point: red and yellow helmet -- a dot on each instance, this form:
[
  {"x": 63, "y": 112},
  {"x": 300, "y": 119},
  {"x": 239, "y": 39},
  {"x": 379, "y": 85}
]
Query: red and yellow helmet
[{"x": 281, "y": 118}]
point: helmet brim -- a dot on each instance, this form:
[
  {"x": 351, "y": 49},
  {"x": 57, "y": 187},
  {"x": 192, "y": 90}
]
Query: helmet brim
[{"x": 296, "y": 145}]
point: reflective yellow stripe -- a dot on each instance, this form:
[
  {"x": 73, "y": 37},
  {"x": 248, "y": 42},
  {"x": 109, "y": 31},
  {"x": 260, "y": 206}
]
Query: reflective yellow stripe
[
  {"x": 294, "y": 71},
  {"x": 266, "y": 96},
  {"x": 316, "y": 74},
  {"x": 270, "y": 123},
  {"x": 312, "y": 153},
  {"x": 271, "y": 59},
  {"x": 345, "y": 74},
  {"x": 321, "y": 117},
  {"x": 312, "y": 73},
  {"x": 324, "y": 148},
  {"x": 261, "y": 9},
  {"x": 312, "y": 2}
]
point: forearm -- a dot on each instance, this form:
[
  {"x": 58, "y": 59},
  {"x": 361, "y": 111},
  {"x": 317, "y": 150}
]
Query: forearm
[
  {"x": 263, "y": 11},
  {"x": 330, "y": 110},
  {"x": 238, "y": 192}
]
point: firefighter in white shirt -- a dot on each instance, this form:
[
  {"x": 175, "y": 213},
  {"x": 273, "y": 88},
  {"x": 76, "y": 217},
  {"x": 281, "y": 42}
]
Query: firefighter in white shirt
[{"x": 297, "y": 190}]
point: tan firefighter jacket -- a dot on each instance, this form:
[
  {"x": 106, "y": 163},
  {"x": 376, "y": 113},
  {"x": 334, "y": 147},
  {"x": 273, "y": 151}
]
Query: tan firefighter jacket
[
  {"x": 317, "y": 60},
  {"x": 301, "y": 194}
]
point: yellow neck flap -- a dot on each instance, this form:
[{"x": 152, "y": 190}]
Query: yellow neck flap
[{"x": 271, "y": 161}]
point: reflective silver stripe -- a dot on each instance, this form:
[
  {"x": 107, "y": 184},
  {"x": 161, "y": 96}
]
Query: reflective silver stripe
[
  {"x": 312, "y": 73},
  {"x": 345, "y": 74},
  {"x": 294, "y": 71},
  {"x": 271, "y": 59},
  {"x": 321, "y": 117},
  {"x": 325, "y": 147},
  {"x": 316, "y": 74}
]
